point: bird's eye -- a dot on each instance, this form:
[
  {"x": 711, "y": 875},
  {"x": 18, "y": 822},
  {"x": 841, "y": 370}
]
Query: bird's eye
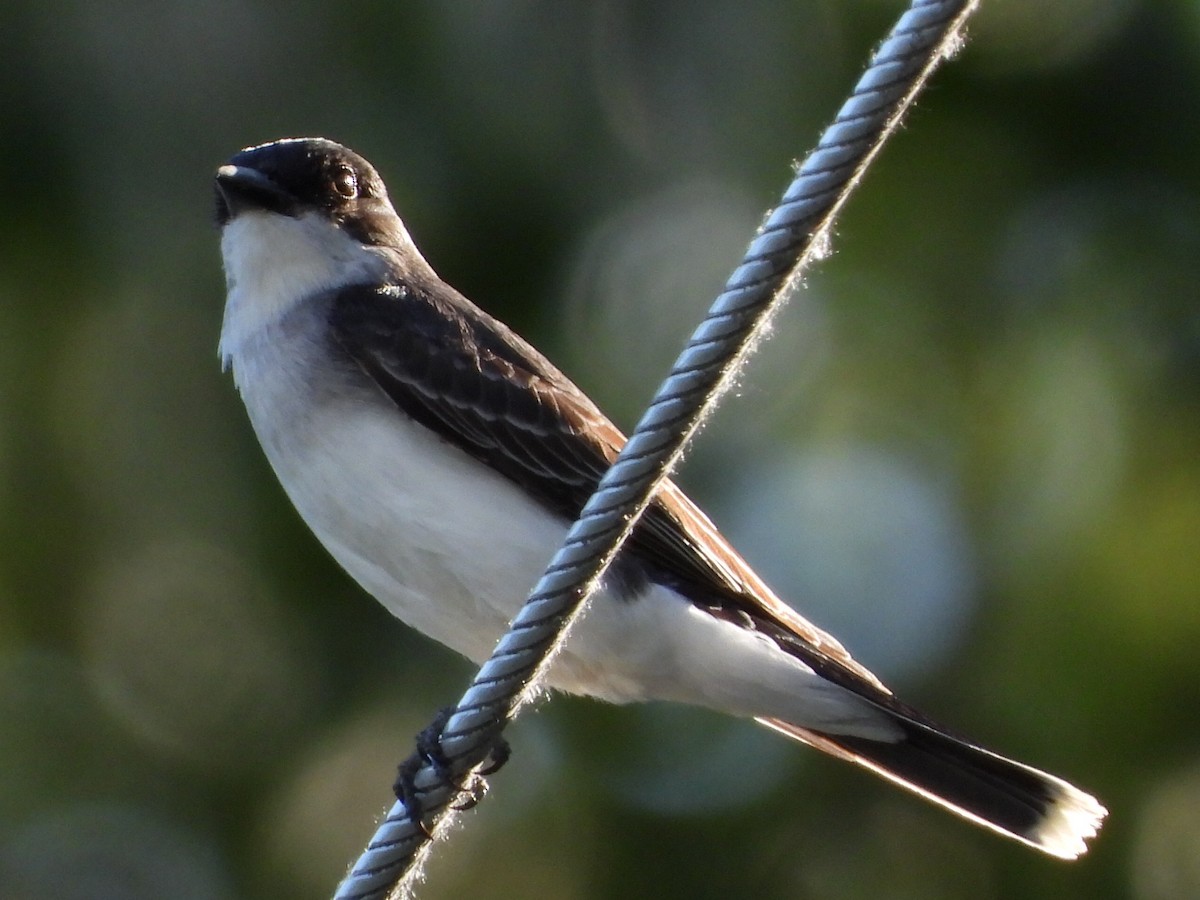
[{"x": 344, "y": 183}]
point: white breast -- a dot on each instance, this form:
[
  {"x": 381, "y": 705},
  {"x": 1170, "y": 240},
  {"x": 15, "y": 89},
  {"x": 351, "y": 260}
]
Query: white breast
[{"x": 447, "y": 545}]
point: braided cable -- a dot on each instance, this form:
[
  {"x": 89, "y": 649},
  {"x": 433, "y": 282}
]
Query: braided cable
[{"x": 791, "y": 237}]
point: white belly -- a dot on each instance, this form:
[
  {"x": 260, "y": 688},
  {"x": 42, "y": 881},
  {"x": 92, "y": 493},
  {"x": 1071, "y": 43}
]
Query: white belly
[{"x": 453, "y": 549}]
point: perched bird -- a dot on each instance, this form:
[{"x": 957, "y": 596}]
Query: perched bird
[{"x": 440, "y": 459}]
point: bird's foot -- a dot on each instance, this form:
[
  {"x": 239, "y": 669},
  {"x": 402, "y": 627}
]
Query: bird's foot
[{"x": 429, "y": 752}]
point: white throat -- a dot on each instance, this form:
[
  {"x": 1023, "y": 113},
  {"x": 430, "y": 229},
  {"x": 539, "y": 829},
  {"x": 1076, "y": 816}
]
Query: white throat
[{"x": 273, "y": 262}]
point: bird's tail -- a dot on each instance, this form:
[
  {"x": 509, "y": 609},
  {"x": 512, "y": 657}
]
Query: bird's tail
[{"x": 1013, "y": 799}]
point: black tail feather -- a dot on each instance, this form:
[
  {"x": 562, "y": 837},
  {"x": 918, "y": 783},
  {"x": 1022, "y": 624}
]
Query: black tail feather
[{"x": 1009, "y": 797}]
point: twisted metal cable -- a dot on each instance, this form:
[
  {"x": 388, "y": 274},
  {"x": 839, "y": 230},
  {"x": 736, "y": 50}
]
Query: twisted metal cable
[{"x": 789, "y": 239}]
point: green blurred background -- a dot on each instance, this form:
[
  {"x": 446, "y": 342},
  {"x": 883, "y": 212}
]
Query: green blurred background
[{"x": 972, "y": 447}]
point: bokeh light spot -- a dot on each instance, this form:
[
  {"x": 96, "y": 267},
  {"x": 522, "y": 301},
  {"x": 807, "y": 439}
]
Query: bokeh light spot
[
  {"x": 187, "y": 649},
  {"x": 866, "y": 546}
]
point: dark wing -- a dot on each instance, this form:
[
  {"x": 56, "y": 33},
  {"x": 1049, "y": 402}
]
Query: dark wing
[{"x": 471, "y": 380}]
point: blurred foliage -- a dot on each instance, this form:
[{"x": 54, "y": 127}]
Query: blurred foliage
[{"x": 972, "y": 446}]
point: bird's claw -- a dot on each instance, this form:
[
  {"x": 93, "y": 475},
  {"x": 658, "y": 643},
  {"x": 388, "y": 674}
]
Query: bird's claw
[{"x": 429, "y": 751}]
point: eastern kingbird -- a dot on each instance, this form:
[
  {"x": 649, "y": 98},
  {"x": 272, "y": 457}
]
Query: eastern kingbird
[{"x": 440, "y": 459}]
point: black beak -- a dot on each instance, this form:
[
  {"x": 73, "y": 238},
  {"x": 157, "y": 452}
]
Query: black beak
[{"x": 240, "y": 188}]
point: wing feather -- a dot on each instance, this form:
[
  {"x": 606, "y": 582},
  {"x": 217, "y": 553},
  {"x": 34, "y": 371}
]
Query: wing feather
[{"x": 478, "y": 385}]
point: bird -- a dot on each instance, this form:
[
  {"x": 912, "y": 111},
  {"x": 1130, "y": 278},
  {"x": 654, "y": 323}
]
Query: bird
[{"x": 440, "y": 459}]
